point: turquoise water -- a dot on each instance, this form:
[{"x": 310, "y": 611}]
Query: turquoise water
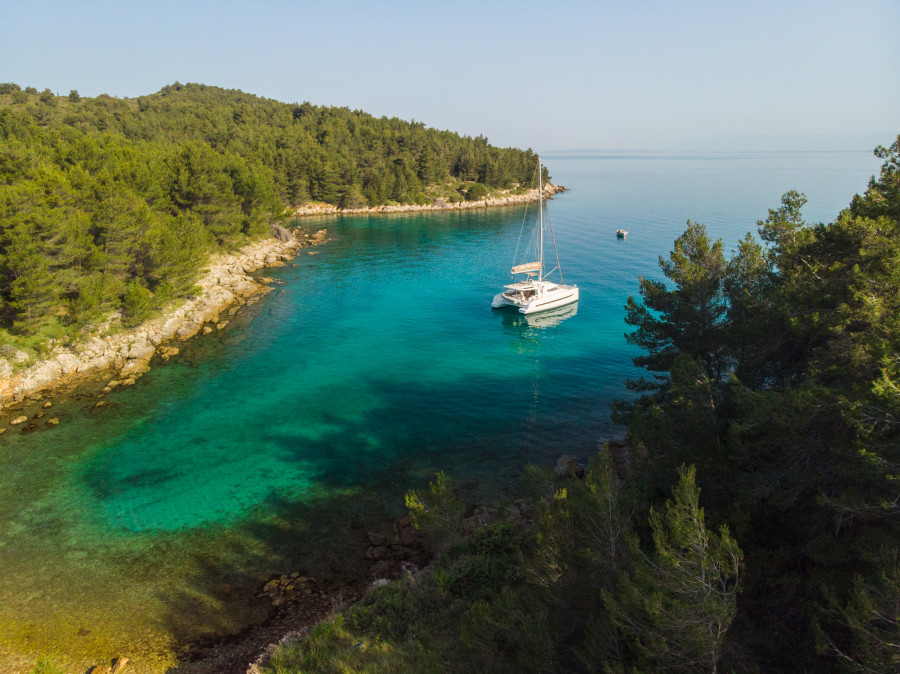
[{"x": 374, "y": 363}]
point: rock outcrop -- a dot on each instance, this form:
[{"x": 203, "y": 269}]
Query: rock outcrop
[{"x": 128, "y": 353}]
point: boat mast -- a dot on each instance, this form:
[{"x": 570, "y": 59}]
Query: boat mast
[{"x": 541, "y": 216}]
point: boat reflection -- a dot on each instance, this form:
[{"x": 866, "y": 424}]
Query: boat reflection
[{"x": 540, "y": 321}]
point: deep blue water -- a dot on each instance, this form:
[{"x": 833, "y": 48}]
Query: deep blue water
[{"x": 376, "y": 362}]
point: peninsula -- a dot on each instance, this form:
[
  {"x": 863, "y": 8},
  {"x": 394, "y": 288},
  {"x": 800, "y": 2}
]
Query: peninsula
[{"x": 111, "y": 208}]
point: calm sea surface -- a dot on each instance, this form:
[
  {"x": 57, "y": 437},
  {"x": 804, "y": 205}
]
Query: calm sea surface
[{"x": 277, "y": 443}]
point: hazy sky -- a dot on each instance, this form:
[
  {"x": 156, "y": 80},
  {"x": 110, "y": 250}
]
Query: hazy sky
[{"x": 632, "y": 74}]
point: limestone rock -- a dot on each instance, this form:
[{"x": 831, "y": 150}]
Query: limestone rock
[
  {"x": 44, "y": 374},
  {"x": 406, "y": 533},
  {"x": 68, "y": 363},
  {"x": 166, "y": 352},
  {"x": 281, "y": 233},
  {"x": 53, "y": 421},
  {"x": 141, "y": 350},
  {"x": 134, "y": 368},
  {"x": 19, "y": 420},
  {"x": 618, "y": 450},
  {"x": 568, "y": 466},
  {"x": 98, "y": 363},
  {"x": 377, "y": 552},
  {"x": 188, "y": 329},
  {"x": 481, "y": 517},
  {"x": 170, "y": 328}
]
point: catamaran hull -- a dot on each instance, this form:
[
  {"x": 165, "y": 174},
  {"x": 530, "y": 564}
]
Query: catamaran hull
[{"x": 560, "y": 297}]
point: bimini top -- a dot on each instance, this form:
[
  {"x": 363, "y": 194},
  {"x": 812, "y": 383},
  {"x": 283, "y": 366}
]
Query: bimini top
[
  {"x": 531, "y": 284},
  {"x": 527, "y": 267}
]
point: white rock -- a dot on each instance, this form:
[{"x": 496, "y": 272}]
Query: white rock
[
  {"x": 188, "y": 329},
  {"x": 40, "y": 376},
  {"x": 170, "y": 327},
  {"x": 132, "y": 368},
  {"x": 141, "y": 350},
  {"x": 100, "y": 362},
  {"x": 68, "y": 362}
]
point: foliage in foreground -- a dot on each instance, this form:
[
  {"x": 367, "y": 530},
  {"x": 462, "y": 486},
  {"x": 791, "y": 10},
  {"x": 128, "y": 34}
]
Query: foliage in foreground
[
  {"x": 776, "y": 372},
  {"x": 577, "y": 590}
]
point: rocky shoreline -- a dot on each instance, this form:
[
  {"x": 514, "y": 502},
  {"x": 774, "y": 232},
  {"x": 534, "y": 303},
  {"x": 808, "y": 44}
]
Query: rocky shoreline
[
  {"x": 125, "y": 355},
  {"x": 438, "y": 205}
]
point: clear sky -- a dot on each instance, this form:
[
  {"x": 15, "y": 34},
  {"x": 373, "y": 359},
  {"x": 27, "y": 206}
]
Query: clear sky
[{"x": 632, "y": 74}]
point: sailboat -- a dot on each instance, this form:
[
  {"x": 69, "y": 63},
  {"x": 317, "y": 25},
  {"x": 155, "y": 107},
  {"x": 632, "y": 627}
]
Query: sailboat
[{"x": 533, "y": 292}]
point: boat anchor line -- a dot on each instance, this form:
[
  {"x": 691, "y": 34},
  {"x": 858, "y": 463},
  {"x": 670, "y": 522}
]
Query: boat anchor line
[{"x": 537, "y": 294}]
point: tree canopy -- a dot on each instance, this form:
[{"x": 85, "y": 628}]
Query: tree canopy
[
  {"x": 776, "y": 374},
  {"x": 111, "y": 204}
]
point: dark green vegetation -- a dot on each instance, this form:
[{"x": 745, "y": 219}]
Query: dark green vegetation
[
  {"x": 776, "y": 373},
  {"x": 776, "y": 379},
  {"x": 571, "y": 592},
  {"x": 113, "y": 204}
]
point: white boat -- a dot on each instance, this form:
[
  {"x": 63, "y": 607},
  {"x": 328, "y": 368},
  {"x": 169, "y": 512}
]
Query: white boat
[
  {"x": 621, "y": 233},
  {"x": 533, "y": 292}
]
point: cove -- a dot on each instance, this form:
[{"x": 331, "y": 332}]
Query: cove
[{"x": 277, "y": 443}]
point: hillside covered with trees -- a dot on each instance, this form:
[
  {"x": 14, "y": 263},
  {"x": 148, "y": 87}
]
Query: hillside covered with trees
[
  {"x": 109, "y": 204},
  {"x": 755, "y": 526}
]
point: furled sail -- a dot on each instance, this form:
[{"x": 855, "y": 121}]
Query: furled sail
[{"x": 527, "y": 267}]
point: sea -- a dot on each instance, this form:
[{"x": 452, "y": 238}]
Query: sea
[{"x": 277, "y": 443}]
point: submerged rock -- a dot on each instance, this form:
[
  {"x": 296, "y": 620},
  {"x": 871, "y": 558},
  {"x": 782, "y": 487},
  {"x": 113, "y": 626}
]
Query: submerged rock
[{"x": 166, "y": 352}]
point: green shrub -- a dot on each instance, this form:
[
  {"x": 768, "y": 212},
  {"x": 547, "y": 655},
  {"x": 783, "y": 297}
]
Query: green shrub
[
  {"x": 136, "y": 303},
  {"x": 45, "y": 666},
  {"x": 476, "y": 192}
]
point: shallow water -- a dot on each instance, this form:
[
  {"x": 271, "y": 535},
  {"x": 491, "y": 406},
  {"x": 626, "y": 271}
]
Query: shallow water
[{"x": 276, "y": 444}]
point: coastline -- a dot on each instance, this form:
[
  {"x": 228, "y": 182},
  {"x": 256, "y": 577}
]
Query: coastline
[
  {"x": 117, "y": 360},
  {"x": 125, "y": 355},
  {"x": 438, "y": 205}
]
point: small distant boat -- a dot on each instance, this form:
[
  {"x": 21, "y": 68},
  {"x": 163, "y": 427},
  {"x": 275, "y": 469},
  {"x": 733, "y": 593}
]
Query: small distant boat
[
  {"x": 621, "y": 233},
  {"x": 536, "y": 294}
]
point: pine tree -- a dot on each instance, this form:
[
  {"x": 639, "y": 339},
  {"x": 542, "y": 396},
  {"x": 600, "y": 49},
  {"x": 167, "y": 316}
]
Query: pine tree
[{"x": 679, "y": 602}]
